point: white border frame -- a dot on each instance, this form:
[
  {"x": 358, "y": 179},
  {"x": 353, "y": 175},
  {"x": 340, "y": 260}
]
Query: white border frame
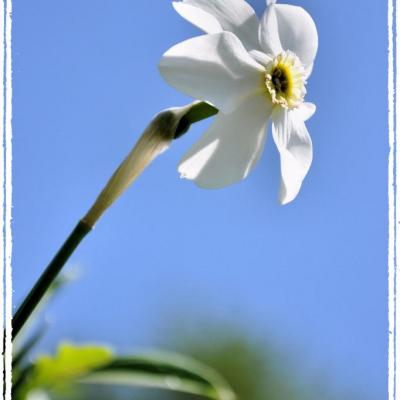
[
  {"x": 2, "y": 181},
  {"x": 6, "y": 196}
]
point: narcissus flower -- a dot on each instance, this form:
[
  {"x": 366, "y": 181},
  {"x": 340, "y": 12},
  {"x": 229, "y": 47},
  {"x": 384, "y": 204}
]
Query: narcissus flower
[{"x": 252, "y": 71}]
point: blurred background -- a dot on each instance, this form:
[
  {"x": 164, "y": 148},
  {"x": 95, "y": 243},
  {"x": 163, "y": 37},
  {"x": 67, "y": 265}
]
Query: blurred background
[{"x": 228, "y": 276}]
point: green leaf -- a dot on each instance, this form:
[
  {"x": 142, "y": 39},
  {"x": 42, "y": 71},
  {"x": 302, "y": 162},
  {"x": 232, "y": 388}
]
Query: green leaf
[
  {"x": 73, "y": 365},
  {"x": 60, "y": 372},
  {"x": 163, "y": 370},
  {"x": 70, "y": 363}
]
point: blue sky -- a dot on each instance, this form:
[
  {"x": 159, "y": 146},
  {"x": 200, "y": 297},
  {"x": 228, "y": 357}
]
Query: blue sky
[{"x": 310, "y": 276}]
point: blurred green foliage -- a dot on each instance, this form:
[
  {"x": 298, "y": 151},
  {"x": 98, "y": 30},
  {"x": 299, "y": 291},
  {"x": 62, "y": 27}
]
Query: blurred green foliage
[
  {"x": 256, "y": 369},
  {"x": 65, "y": 375},
  {"x": 70, "y": 363},
  {"x": 223, "y": 362}
]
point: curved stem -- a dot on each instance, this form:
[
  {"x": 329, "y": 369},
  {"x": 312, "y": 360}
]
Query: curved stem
[{"x": 194, "y": 112}]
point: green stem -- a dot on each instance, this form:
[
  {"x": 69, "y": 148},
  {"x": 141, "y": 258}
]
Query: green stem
[
  {"x": 48, "y": 276},
  {"x": 198, "y": 111}
]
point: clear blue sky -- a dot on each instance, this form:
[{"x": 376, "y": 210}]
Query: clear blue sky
[{"x": 312, "y": 275}]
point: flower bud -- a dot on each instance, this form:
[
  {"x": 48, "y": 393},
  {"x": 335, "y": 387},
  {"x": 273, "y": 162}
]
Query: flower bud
[{"x": 165, "y": 126}]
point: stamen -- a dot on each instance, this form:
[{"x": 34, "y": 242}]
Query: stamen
[
  {"x": 280, "y": 80},
  {"x": 285, "y": 80}
]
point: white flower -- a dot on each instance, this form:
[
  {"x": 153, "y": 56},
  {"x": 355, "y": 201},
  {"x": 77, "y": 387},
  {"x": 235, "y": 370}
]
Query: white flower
[{"x": 252, "y": 72}]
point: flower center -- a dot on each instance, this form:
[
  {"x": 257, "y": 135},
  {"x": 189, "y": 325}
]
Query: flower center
[
  {"x": 285, "y": 80},
  {"x": 280, "y": 80}
]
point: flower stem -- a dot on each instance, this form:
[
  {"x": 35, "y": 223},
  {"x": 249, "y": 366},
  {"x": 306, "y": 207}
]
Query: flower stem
[
  {"x": 164, "y": 128},
  {"x": 48, "y": 276}
]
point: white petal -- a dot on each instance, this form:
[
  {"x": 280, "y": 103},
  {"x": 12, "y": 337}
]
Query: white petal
[
  {"x": 305, "y": 111},
  {"x": 234, "y": 16},
  {"x": 308, "y": 70},
  {"x": 230, "y": 148},
  {"x": 287, "y": 27},
  {"x": 216, "y": 68},
  {"x": 295, "y": 147},
  {"x": 262, "y": 58},
  {"x": 202, "y": 19},
  {"x": 268, "y": 34}
]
